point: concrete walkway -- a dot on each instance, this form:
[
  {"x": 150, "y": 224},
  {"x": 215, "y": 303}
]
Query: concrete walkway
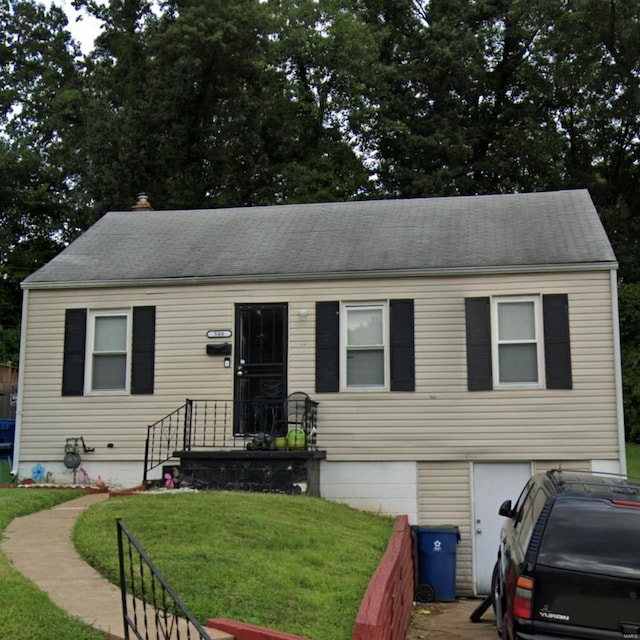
[
  {"x": 40, "y": 547},
  {"x": 451, "y": 621}
]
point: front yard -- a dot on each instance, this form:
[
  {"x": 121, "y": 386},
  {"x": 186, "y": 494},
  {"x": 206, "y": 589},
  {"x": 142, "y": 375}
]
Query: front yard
[{"x": 293, "y": 563}]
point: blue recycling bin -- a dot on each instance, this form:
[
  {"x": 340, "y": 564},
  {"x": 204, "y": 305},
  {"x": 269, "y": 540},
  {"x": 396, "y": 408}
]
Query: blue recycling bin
[
  {"x": 436, "y": 563},
  {"x": 7, "y": 436},
  {"x": 7, "y": 431}
]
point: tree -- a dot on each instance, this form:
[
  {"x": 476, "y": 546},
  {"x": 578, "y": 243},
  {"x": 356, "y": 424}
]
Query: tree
[
  {"x": 629, "y": 295},
  {"x": 594, "y": 59},
  {"x": 228, "y": 103},
  {"x": 207, "y": 103},
  {"x": 31, "y": 217},
  {"x": 327, "y": 58},
  {"x": 39, "y": 95},
  {"x": 464, "y": 109}
]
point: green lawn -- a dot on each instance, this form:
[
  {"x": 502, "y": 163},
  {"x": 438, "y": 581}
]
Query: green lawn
[
  {"x": 292, "y": 563},
  {"x": 26, "y": 613},
  {"x": 5, "y": 471},
  {"x": 633, "y": 459}
]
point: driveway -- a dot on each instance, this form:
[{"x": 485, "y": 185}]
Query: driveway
[{"x": 450, "y": 621}]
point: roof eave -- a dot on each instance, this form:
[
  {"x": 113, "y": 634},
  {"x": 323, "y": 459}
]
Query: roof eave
[{"x": 333, "y": 275}]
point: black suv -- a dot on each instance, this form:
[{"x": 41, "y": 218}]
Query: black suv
[{"x": 569, "y": 559}]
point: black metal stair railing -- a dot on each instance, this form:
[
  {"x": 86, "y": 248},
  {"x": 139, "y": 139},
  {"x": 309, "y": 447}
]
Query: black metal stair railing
[
  {"x": 227, "y": 424},
  {"x": 164, "y": 437},
  {"x": 197, "y": 423},
  {"x": 150, "y": 607}
]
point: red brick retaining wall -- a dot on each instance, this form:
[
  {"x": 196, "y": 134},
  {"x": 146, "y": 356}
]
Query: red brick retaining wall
[
  {"x": 385, "y": 611},
  {"x": 242, "y": 631}
]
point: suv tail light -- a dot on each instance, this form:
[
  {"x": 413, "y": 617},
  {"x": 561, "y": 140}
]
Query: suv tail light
[
  {"x": 523, "y": 600},
  {"x": 625, "y": 503}
]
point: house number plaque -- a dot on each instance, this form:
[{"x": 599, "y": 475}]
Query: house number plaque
[{"x": 219, "y": 333}]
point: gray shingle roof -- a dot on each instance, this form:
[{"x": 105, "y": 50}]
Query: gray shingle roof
[{"x": 385, "y": 237}]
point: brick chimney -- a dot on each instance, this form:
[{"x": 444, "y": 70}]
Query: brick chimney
[{"x": 143, "y": 203}]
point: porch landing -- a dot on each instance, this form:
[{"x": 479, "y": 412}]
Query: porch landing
[{"x": 264, "y": 471}]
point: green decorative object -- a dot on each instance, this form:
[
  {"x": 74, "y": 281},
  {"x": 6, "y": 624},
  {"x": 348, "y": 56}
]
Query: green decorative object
[{"x": 296, "y": 439}]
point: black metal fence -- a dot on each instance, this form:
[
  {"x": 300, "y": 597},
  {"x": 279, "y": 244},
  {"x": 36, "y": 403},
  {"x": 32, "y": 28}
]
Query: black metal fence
[
  {"x": 151, "y": 610},
  {"x": 229, "y": 424}
]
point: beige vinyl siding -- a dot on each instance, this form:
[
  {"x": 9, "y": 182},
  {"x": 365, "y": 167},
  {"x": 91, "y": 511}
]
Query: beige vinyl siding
[
  {"x": 441, "y": 420},
  {"x": 444, "y": 498}
]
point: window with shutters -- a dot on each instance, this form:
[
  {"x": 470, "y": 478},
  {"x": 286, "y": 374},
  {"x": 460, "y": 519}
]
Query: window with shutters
[
  {"x": 109, "y": 351},
  {"x": 365, "y": 346},
  {"x": 517, "y": 343},
  {"x": 364, "y": 356},
  {"x": 108, "y": 341}
]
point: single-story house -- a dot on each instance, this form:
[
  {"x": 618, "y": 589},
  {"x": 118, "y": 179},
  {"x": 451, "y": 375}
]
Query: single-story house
[{"x": 453, "y": 346}]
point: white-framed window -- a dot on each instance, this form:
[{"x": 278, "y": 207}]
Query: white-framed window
[
  {"x": 364, "y": 353},
  {"x": 517, "y": 341},
  {"x": 108, "y": 352}
]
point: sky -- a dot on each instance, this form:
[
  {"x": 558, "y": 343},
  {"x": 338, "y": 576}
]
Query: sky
[{"x": 85, "y": 30}]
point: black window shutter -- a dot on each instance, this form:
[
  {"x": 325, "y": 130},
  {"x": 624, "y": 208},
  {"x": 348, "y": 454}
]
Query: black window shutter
[
  {"x": 403, "y": 377},
  {"x": 327, "y": 347},
  {"x": 143, "y": 350},
  {"x": 478, "y": 324},
  {"x": 75, "y": 335},
  {"x": 557, "y": 348}
]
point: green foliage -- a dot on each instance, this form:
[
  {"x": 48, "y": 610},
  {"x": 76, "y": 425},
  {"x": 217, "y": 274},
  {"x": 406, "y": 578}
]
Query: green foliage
[
  {"x": 471, "y": 109},
  {"x": 246, "y": 102},
  {"x": 227, "y": 103},
  {"x": 633, "y": 460},
  {"x": 39, "y": 100},
  {"x": 629, "y": 304},
  {"x": 30, "y": 218},
  {"x": 26, "y": 612},
  {"x": 293, "y": 563}
]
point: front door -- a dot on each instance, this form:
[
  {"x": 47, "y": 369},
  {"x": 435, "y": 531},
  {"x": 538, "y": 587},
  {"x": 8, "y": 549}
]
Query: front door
[
  {"x": 260, "y": 367},
  {"x": 493, "y": 483}
]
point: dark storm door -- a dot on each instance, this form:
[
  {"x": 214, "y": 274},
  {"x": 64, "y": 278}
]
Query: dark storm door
[{"x": 260, "y": 368}]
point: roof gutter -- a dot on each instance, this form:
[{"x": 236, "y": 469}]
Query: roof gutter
[{"x": 331, "y": 275}]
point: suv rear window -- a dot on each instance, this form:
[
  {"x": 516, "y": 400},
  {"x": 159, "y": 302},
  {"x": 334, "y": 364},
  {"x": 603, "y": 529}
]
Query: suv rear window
[{"x": 593, "y": 536}]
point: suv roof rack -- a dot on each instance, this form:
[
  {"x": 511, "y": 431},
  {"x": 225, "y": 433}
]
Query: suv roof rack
[{"x": 586, "y": 482}]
